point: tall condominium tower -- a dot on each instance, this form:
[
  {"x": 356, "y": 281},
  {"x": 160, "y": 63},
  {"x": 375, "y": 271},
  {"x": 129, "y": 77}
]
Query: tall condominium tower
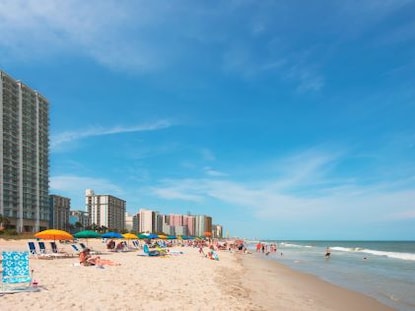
[
  {"x": 24, "y": 156},
  {"x": 105, "y": 210}
]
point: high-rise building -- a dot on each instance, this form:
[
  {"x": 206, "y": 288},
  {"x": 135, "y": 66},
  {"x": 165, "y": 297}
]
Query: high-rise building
[
  {"x": 105, "y": 210},
  {"x": 217, "y": 231},
  {"x": 24, "y": 156},
  {"x": 147, "y": 221},
  {"x": 190, "y": 222},
  {"x": 78, "y": 220},
  {"x": 203, "y": 225},
  {"x": 60, "y": 210}
]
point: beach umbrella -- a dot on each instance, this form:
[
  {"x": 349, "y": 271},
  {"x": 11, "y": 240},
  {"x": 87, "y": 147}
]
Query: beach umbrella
[
  {"x": 171, "y": 237},
  {"x": 162, "y": 236},
  {"x": 112, "y": 235},
  {"x": 142, "y": 236},
  {"x": 152, "y": 236},
  {"x": 54, "y": 234},
  {"x": 129, "y": 236},
  {"x": 87, "y": 234}
]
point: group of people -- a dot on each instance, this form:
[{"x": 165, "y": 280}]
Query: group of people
[
  {"x": 266, "y": 248},
  {"x": 119, "y": 247}
]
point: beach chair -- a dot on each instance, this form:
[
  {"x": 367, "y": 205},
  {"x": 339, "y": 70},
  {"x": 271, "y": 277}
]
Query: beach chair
[
  {"x": 76, "y": 249},
  {"x": 42, "y": 247},
  {"x": 147, "y": 252},
  {"x": 33, "y": 252},
  {"x": 16, "y": 275},
  {"x": 56, "y": 252},
  {"x": 135, "y": 244},
  {"x": 32, "y": 248}
]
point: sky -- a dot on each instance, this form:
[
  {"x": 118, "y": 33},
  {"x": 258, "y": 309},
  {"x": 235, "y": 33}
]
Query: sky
[{"x": 279, "y": 119}]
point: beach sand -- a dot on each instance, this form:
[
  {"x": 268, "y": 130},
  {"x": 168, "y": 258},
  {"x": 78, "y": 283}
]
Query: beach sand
[{"x": 185, "y": 281}]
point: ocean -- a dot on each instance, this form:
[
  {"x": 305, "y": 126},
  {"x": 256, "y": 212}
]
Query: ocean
[{"x": 384, "y": 270}]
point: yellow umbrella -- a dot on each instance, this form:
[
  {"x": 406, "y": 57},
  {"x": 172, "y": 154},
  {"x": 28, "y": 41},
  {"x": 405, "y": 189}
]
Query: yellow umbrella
[
  {"x": 129, "y": 236},
  {"x": 54, "y": 234},
  {"x": 162, "y": 236}
]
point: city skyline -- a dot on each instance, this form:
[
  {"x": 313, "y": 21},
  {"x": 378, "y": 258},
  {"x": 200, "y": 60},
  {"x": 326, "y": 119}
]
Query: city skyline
[{"x": 281, "y": 120}]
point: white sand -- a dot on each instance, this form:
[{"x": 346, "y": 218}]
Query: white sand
[{"x": 183, "y": 282}]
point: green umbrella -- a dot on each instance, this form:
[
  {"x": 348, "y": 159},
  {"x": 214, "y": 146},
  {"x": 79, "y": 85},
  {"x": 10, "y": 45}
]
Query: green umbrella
[{"x": 87, "y": 234}]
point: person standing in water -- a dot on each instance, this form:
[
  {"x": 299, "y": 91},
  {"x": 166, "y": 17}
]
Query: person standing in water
[{"x": 328, "y": 252}]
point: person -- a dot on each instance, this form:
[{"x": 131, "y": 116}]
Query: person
[
  {"x": 328, "y": 252},
  {"x": 86, "y": 259}
]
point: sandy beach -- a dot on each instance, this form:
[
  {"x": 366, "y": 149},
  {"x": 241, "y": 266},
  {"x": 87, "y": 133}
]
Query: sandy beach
[{"x": 186, "y": 281}]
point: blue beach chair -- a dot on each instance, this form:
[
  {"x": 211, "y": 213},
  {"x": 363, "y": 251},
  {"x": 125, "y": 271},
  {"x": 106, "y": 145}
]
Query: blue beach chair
[
  {"x": 16, "y": 275},
  {"x": 32, "y": 248},
  {"x": 42, "y": 247}
]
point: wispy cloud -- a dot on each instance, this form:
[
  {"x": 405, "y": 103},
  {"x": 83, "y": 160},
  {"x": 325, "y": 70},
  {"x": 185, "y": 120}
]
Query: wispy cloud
[
  {"x": 286, "y": 198},
  {"x": 66, "y": 137},
  {"x": 212, "y": 172}
]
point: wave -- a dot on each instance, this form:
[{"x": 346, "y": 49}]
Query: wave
[
  {"x": 294, "y": 245},
  {"x": 396, "y": 255},
  {"x": 404, "y": 256}
]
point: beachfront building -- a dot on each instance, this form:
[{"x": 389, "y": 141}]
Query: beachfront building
[
  {"x": 59, "y": 212},
  {"x": 147, "y": 221},
  {"x": 189, "y": 221},
  {"x": 105, "y": 210},
  {"x": 128, "y": 222},
  {"x": 217, "y": 231},
  {"x": 24, "y": 156},
  {"x": 78, "y": 220},
  {"x": 136, "y": 222},
  {"x": 203, "y": 225}
]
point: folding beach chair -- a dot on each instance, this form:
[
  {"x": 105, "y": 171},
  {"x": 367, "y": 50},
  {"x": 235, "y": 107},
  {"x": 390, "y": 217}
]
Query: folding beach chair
[
  {"x": 56, "y": 252},
  {"x": 32, "y": 248},
  {"x": 42, "y": 247},
  {"x": 16, "y": 276},
  {"x": 33, "y": 252}
]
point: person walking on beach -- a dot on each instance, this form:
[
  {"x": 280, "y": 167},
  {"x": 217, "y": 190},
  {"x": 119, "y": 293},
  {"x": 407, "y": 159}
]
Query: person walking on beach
[{"x": 258, "y": 247}]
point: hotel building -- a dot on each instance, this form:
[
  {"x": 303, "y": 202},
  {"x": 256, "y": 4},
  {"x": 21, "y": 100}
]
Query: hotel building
[
  {"x": 105, "y": 210},
  {"x": 24, "y": 156},
  {"x": 60, "y": 211}
]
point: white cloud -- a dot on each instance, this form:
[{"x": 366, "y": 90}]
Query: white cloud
[
  {"x": 212, "y": 172},
  {"x": 66, "y": 137}
]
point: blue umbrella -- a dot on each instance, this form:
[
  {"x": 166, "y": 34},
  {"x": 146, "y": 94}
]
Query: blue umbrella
[{"x": 112, "y": 235}]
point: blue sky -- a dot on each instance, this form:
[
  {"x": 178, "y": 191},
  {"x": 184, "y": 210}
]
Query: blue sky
[{"x": 280, "y": 119}]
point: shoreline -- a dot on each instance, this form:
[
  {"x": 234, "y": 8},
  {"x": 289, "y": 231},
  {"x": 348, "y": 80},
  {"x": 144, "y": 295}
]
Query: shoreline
[
  {"x": 284, "y": 287},
  {"x": 186, "y": 281}
]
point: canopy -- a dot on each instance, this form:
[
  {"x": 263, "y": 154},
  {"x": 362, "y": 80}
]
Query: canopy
[
  {"x": 148, "y": 236},
  {"x": 129, "y": 236},
  {"x": 112, "y": 235},
  {"x": 54, "y": 234},
  {"x": 87, "y": 234}
]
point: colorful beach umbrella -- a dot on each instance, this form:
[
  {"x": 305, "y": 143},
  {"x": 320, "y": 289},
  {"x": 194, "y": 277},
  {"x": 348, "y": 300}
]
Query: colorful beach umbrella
[
  {"x": 87, "y": 234},
  {"x": 54, "y": 234},
  {"x": 129, "y": 236},
  {"x": 148, "y": 236},
  {"x": 112, "y": 235}
]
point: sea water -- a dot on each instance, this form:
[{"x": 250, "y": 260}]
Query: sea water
[{"x": 384, "y": 270}]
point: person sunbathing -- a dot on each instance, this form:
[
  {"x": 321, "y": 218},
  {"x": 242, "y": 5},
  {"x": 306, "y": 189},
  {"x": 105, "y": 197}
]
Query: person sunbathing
[{"x": 86, "y": 259}]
